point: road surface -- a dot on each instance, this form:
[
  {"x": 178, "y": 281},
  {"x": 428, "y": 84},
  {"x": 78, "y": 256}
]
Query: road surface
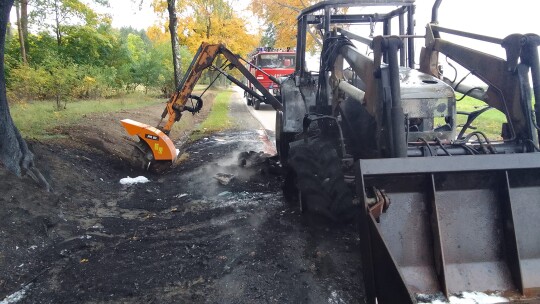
[{"x": 266, "y": 115}]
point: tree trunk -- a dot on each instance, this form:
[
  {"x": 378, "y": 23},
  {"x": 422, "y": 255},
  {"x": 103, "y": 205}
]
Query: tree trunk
[
  {"x": 24, "y": 23},
  {"x": 14, "y": 152},
  {"x": 212, "y": 73},
  {"x": 21, "y": 34},
  {"x": 173, "y": 21},
  {"x": 57, "y": 22},
  {"x": 221, "y": 80},
  {"x": 208, "y": 27},
  {"x": 8, "y": 30}
]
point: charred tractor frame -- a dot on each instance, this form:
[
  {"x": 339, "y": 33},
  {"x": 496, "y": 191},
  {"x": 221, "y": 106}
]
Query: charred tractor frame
[{"x": 441, "y": 208}]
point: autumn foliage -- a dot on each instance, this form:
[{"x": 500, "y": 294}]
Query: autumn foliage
[
  {"x": 77, "y": 54},
  {"x": 212, "y": 21},
  {"x": 281, "y": 15}
]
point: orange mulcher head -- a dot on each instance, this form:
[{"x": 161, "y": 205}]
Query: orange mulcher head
[{"x": 155, "y": 149}]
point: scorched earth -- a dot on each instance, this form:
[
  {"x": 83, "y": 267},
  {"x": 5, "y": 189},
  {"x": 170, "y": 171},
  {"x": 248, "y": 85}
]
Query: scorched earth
[{"x": 215, "y": 229}]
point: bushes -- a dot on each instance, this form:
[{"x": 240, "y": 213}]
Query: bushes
[
  {"x": 61, "y": 82},
  {"x": 90, "y": 63},
  {"x": 94, "y": 82}
]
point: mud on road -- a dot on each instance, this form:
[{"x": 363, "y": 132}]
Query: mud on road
[{"x": 183, "y": 237}]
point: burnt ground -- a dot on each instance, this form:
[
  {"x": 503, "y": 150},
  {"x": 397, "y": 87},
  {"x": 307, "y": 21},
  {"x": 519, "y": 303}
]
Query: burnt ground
[{"x": 181, "y": 238}]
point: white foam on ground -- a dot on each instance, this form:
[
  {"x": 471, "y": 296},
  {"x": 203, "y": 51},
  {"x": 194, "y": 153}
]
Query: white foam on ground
[
  {"x": 335, "y": 298},
  {"x": 477, "y": 298},
  {"x": 134, "y": 180},
  {"x": 472, "y": 298},
  {"x": 15, "y": 297}
]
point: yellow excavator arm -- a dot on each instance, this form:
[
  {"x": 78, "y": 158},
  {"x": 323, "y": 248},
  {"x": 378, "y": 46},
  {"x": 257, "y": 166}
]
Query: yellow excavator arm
[
  {"x": 177, "y": 103},
  {"x": 155, "y": 149}
]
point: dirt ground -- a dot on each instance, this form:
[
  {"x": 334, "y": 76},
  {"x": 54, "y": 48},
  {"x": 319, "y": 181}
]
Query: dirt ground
[{"x": 181, "y": 238}]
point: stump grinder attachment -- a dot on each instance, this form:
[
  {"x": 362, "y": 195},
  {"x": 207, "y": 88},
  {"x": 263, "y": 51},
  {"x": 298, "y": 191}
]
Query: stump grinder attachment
[{"x": 155, "y": 151}]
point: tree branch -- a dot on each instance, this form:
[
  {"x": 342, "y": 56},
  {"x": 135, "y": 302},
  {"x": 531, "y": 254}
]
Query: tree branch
[{"x": 288, "y": 6}]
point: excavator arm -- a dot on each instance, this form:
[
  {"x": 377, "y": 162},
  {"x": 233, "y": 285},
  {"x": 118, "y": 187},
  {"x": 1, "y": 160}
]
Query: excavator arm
[
  {"x": 155, "y": 151},
  {"x": 204, "y": 59}
]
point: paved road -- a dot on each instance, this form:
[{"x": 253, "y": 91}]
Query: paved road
[{"x": 266, "y": 115}]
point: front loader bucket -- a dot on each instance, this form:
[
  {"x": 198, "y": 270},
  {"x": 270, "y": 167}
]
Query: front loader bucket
[
  {"x": 454, "y": 224},
  {"x": 158, "y": 142}
]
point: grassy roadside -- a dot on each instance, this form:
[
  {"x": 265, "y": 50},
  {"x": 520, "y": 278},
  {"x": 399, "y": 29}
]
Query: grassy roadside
[
  {"x": 218, "y": 119},
  {"x": 34, "y": 119},
  {"x": 488, "y": 122},
  {"x": 37, "y": 119}
]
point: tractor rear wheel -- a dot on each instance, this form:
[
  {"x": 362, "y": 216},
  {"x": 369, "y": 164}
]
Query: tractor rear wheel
[{"x": 320, "y": 179}]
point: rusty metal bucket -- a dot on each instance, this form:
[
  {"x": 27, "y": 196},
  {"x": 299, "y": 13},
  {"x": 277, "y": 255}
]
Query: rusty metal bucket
[{"x": 462, "y": 223}]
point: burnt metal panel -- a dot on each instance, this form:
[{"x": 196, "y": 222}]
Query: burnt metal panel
[
  {"x": 364, "y": 67},
  {"x": 400, "y": 234},
  {"x": 451, "y": 164},
  {"x": 387, "y": 271},
  {"x": 296, "y": 102},
  {"x": 525, "y": 197},
  {"x": 471, "y": 229},
  {"x": 464, "y": 223}
]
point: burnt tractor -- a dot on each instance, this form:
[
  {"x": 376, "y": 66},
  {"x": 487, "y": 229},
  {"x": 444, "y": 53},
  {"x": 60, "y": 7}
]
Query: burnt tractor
[
  {"x": 374, "y": 138},
  {"x": 379, "y": 139}
]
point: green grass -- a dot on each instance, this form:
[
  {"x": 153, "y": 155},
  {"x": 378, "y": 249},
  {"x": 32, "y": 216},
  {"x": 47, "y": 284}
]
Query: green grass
[
  {"x": 34, "y": 119},
  {"x": 218, "y": 119},
  {"x": 489, "y": 122}
]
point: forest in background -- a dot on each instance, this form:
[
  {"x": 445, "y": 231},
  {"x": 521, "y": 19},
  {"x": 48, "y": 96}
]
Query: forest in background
[{"x": 64, "y": 50}]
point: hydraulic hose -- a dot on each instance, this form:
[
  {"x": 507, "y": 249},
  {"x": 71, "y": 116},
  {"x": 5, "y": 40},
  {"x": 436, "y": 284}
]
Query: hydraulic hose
[{"x": 198, "y": 105}]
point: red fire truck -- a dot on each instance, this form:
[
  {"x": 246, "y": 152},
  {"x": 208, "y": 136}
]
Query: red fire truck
[{"x": 272, "y": 62}]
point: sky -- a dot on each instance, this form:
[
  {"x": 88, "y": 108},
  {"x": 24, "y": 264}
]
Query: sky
[
  {"x": 127, "y": 13},
  {"x": 493, "y": 18},
  {"x": 496, "y": 17}
]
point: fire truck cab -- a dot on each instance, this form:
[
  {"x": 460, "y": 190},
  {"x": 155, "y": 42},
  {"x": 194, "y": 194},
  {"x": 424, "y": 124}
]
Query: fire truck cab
[{"x": 273, "y": 62}]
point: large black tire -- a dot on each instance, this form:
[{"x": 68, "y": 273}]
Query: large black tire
[
  {"x": 256, "y": 103},
  {"x": 320, "y": 180},
  {"x": 249, "y": 99}
]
